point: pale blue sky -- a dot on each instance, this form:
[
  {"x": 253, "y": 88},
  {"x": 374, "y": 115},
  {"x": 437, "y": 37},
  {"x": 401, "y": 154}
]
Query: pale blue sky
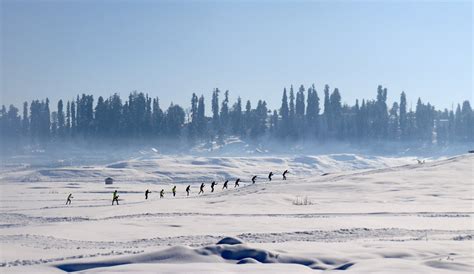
[{"x": 253, "y": 48}]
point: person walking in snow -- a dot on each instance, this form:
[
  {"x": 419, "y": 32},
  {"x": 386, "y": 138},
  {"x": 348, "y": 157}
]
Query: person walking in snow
[
  {"x": 201, "y": 190},
  {"x": 284, "y": 174},
  {"x": 253, "y": 179},
  {"x": 237, "y": 183},
  {"x": 188, "y": 188},
  {"x": 146, "y": 194},
  {"x": 69, "y": 197},
  {"x": 162, "y": 193},
  {"x": 115, "y": 198},
  {"x": 270, "y": 176},
  {"x": 174, "y": 191},
  {"x": 225, "y": 184},
  {"x": 212, "y": 186}
]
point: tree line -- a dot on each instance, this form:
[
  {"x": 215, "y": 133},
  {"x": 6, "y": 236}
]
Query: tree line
[{"x": 301, "y": 115}]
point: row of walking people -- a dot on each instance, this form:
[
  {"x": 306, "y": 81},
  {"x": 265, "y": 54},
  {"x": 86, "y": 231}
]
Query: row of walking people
[{"x": 115, "y": 196}]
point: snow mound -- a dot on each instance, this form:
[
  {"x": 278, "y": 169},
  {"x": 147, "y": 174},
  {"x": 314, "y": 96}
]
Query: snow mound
[
  {"x": 233, "y": 253},
  {"x": 230, "y": 241}
]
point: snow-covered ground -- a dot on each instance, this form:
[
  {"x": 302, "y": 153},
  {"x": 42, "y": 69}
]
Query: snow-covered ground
[{"x": 347, "y": 212}]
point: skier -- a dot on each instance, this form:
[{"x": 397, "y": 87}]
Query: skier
[
  {"x": 237, "y": 183},
  {"x": 284, "y": 174},
  {"x": 225, "y": 184},
  {"x": 253, "y": 179},
  {"x": 201, "y": 190},
  {"x": 174, "y": 191},
  {"x": 146, "y": 194},
  {"x": 68, "y": 202},
  {"x": 270, "y": 176},
  {"x": 212, "y": 186},
  {"x": 115, "y": 198},
  {"x": 162, "y": 193},
  {"x": 188, "y": 188}
]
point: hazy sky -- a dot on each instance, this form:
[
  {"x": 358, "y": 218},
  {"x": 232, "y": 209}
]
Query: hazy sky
[{"x": 58, "y": 49}]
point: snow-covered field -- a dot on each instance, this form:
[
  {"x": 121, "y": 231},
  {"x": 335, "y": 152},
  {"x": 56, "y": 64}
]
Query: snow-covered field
[{"x": 347, "y": 212}]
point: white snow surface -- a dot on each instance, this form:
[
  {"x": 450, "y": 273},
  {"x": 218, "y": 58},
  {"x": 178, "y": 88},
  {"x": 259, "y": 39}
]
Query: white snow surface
[
  {"x": 155, "y": 168},
  {"x": 337, "y": 212}
]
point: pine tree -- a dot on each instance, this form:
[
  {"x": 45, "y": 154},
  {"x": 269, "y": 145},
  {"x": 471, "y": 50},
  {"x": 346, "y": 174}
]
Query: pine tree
[
  {"x": 258, "y": 125},
  {"x": 101, "y": 119},
  {"x": 411, "y": 125},
  {"x": 291, "y": 115},
  {"x": 54, "y": 125},
  {"x": 174, "y": 120},
  {"x": 10, "y": 128},
  {"x": 61, "y": 121},
  {"x": 424, "y": 121},
  {"x": 403, "y": 116},
  {"x": 89, "y": 114},
  {"x": 393, "y": 126},
  {"x": 357, "y": 122},
  {"x": 312, "y": 112},
  {"x": 73, "y": 119},
  {"x": 467, "y": 122},
  {"x": 115, "y": 116},
  {"x": 157, "y": 118},
  {"x": 215, "y": 110},
  {"x": 224, "y": 115},
  {"x": 381, "y": 116},
  {"x": 68, "y": 119},
  {"x": 25, "y": 123},
  {"x": 442, "y": 127},
  {"x": 45, "y": 122},
  {"x": 147, "y": 130},
  {"x": 327, "y": 107},
  {"x": 34, "y": 120},
  {"x": 237, "y": 120},
  {"x": 202, "y": 123},
  {"x": 284, "y": 113},
  {"x": 327, "y": 119},
  {"x": 248, "y": 121},
  {"x": 274, "y": 123},
  {"x": 300, "y": 111},
  {"x": 137, "y": 114},
  {"x": 194, "y": 117},
  {"x": 335, "y": 122},
  {"x": 79, "y": 116}
]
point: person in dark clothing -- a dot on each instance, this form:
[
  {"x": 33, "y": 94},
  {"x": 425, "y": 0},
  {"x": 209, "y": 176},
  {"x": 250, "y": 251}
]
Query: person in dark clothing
[
  {"x": 174, "y": 191},
  {"x": 237, "y": 183},
  {"x": 115, "y": 197},
  {"x": 69, "y": 197},
  {"x": 284, "y": 174},
  {"x": 270, "y": 176},
  {"x": 146, "y": 194},
  {"x": 225, "y": 184},
  {"x": 162, "y": 193},
  {"x": 253, "y": 179},
  {"x": 188, "y": 188},
  {"x": 212, "y": 186},
  {"x": 201, "y": 190}
]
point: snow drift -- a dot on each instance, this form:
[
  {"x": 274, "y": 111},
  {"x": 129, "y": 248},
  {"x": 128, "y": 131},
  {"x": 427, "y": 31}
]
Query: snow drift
[{"x": 227, "y": 250}]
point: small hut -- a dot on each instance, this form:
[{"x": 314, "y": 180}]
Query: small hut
[{"x": 109, "y": 181}]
